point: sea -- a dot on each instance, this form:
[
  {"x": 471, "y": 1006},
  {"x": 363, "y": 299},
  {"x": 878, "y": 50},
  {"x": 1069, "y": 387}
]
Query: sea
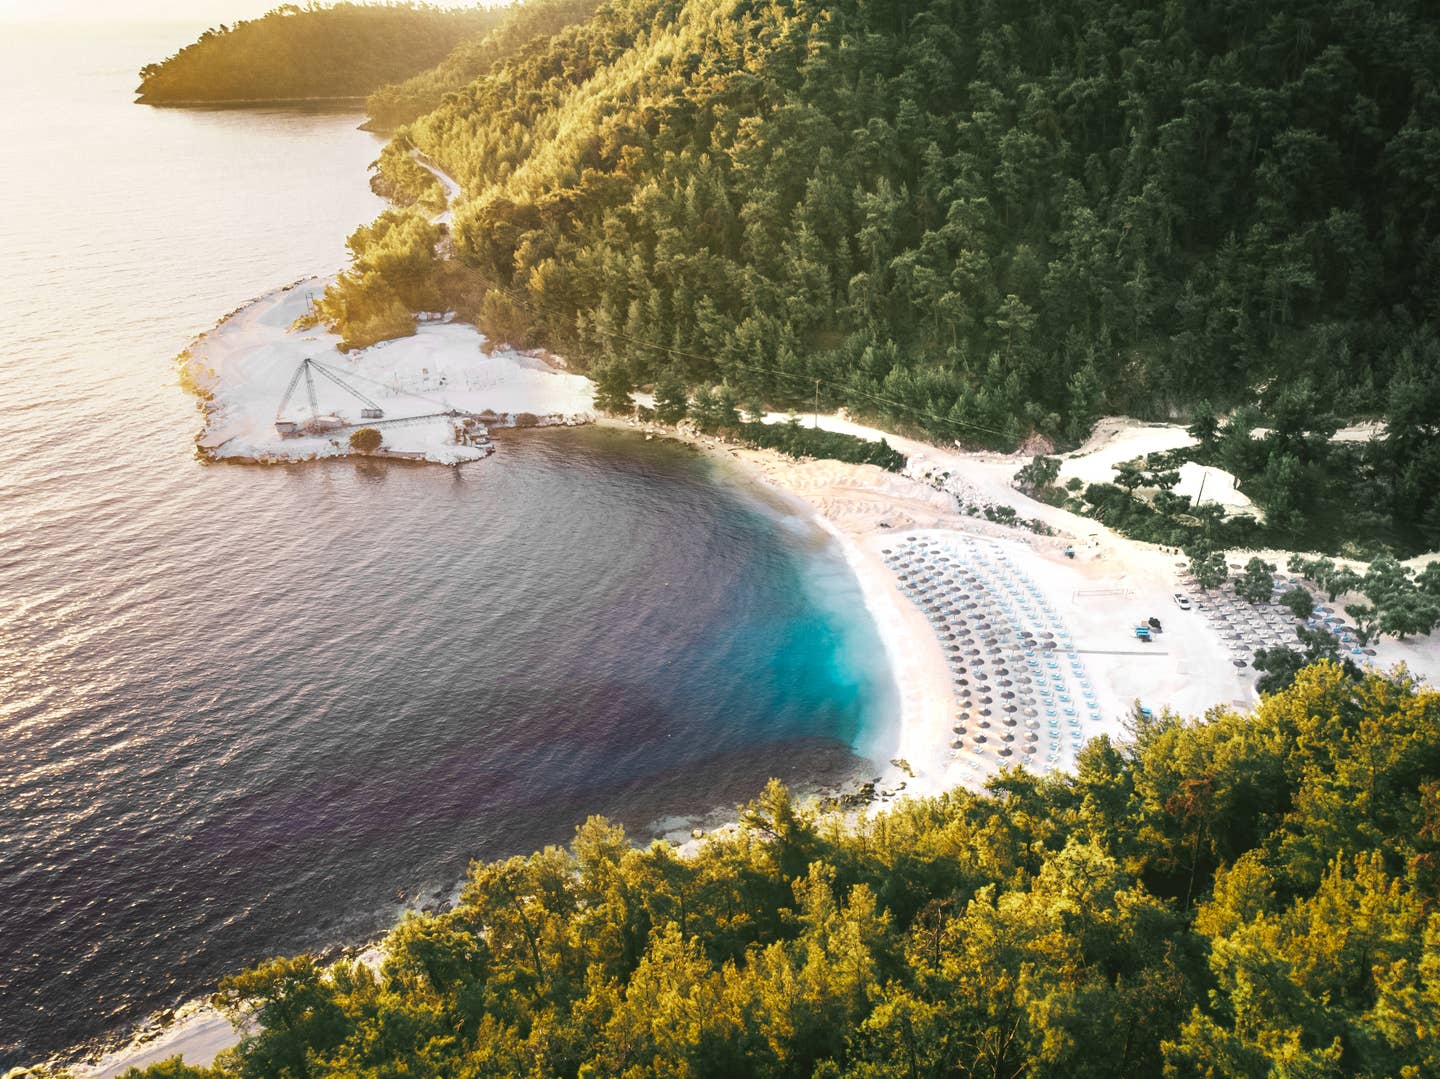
[{"x": 248, "y": 711}]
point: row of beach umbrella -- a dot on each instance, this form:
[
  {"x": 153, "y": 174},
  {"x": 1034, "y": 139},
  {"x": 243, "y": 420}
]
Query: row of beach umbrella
[{"x": 1020, "y": 686}]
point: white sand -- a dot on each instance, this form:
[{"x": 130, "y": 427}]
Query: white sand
[
  {"x": 1206, "y": 483},
  {"x": 913, "y": 652},
  {"x": 1112, "y": 584},
  {"x": 1116, "y": 440},
  {"x": 1099, "y": 596},
  {"x": 198, "y": 1034},
  {"x": 248, "y": 360}
]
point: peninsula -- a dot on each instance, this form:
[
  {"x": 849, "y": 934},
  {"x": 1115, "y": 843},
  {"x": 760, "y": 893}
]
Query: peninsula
[{"x": 310, "y": 53}]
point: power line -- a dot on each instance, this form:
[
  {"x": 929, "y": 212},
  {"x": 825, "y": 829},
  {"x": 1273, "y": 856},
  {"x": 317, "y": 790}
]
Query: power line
[
  {"x": 524, "y": 302},
  {"x": 527, "y": 304}
]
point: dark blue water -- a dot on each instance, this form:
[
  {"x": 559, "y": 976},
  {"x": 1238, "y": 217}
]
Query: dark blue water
[{"x": 248, "y": 711}]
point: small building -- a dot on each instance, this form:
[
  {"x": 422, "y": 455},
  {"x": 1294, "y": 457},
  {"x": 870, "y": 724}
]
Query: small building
[{"x": 321, "y": 424}]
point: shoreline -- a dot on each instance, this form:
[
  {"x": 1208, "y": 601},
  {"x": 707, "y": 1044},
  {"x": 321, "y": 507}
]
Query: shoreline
[
  {"x": 238, "y": 370},
  {"x": 916, "y": 665},
  {"x": 1097, "y": 596},
  {"x": 862, "y": 508},
  {"x": 251, "y": 102},
  {"x": 435, "y": 393}
]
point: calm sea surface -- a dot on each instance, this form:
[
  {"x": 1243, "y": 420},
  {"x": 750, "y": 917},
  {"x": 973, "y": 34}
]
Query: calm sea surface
[{"x": 249, "y": 711}]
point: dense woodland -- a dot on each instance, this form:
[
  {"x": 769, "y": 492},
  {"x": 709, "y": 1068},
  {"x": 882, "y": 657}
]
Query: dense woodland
[
  {"x": 982, "y": 220},
  {"x": 310, "y": 51},
  {"x": 1247, "y": 895},
  {"x": 473, "y": 58}
]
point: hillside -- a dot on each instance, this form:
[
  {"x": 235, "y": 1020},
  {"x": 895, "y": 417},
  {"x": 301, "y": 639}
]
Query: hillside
[
  {"x": 1244, "y": 896},
  {"x": 985, "y": 222},
  {"x": 1014, "y": 215},
  {"x": 311, "y": 51},
  {"x": 473, "y": 58}
]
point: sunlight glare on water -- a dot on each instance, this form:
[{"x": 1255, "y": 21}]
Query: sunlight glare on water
[{"x": 248, "y": 711}]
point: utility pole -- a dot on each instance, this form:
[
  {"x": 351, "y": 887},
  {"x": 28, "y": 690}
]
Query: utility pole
[{"x": 817, "y": 404}]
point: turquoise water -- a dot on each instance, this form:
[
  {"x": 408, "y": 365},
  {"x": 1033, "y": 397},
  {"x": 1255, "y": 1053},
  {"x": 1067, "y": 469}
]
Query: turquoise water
[{"x": 247, "y": 711}]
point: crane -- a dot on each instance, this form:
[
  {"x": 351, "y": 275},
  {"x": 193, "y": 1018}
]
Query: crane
[{"x": 307, "y": 369}]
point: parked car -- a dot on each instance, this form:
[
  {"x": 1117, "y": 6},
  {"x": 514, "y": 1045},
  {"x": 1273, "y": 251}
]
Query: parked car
[{"x": 1182, "y": 601}]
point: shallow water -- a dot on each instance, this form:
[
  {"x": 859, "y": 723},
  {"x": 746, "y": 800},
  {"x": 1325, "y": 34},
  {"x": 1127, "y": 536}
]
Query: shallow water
[{"x": 247, "y": 711}]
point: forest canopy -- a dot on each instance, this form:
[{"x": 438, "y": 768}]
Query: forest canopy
[
  {"x": 310, "y": 51},
  {"x": 1243, "y": 895},
  {"x": 398, "y": 103},
  {"x": 984, "y": 221}
]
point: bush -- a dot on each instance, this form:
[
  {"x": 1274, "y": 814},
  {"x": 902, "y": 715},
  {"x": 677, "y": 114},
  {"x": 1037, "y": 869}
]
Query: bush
[
  {"x": 798, "y": 441},
  {"x": 1300, "y": 602},
  {"x": 612, "y": 388},
  {"x": 393, "y": 272},
  {"x": 1258, "y": 581},
  {"x": 366, "y": 440}
]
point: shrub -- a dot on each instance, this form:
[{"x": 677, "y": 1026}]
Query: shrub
[
  {"x": 798, "y": 441},
  {"x": 1258, "y": 581},
  {"x": 365, "y": 440},
  {"x": 1300, "y": 602}
]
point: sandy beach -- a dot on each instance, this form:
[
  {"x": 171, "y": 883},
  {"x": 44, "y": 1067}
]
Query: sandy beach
[
  {"x": 1096, "y": 599},
  {"x": 1004, "y": 649},
  {"x": 1098, "y": 596}
]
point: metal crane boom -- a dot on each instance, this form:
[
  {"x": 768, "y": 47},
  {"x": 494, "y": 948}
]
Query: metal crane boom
[
  {"x": 307, "y": 369},
  {"x": 310, "y": 389},
  {"x": 351, "y": 390},
  {"x": 302, "y": 369}
]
